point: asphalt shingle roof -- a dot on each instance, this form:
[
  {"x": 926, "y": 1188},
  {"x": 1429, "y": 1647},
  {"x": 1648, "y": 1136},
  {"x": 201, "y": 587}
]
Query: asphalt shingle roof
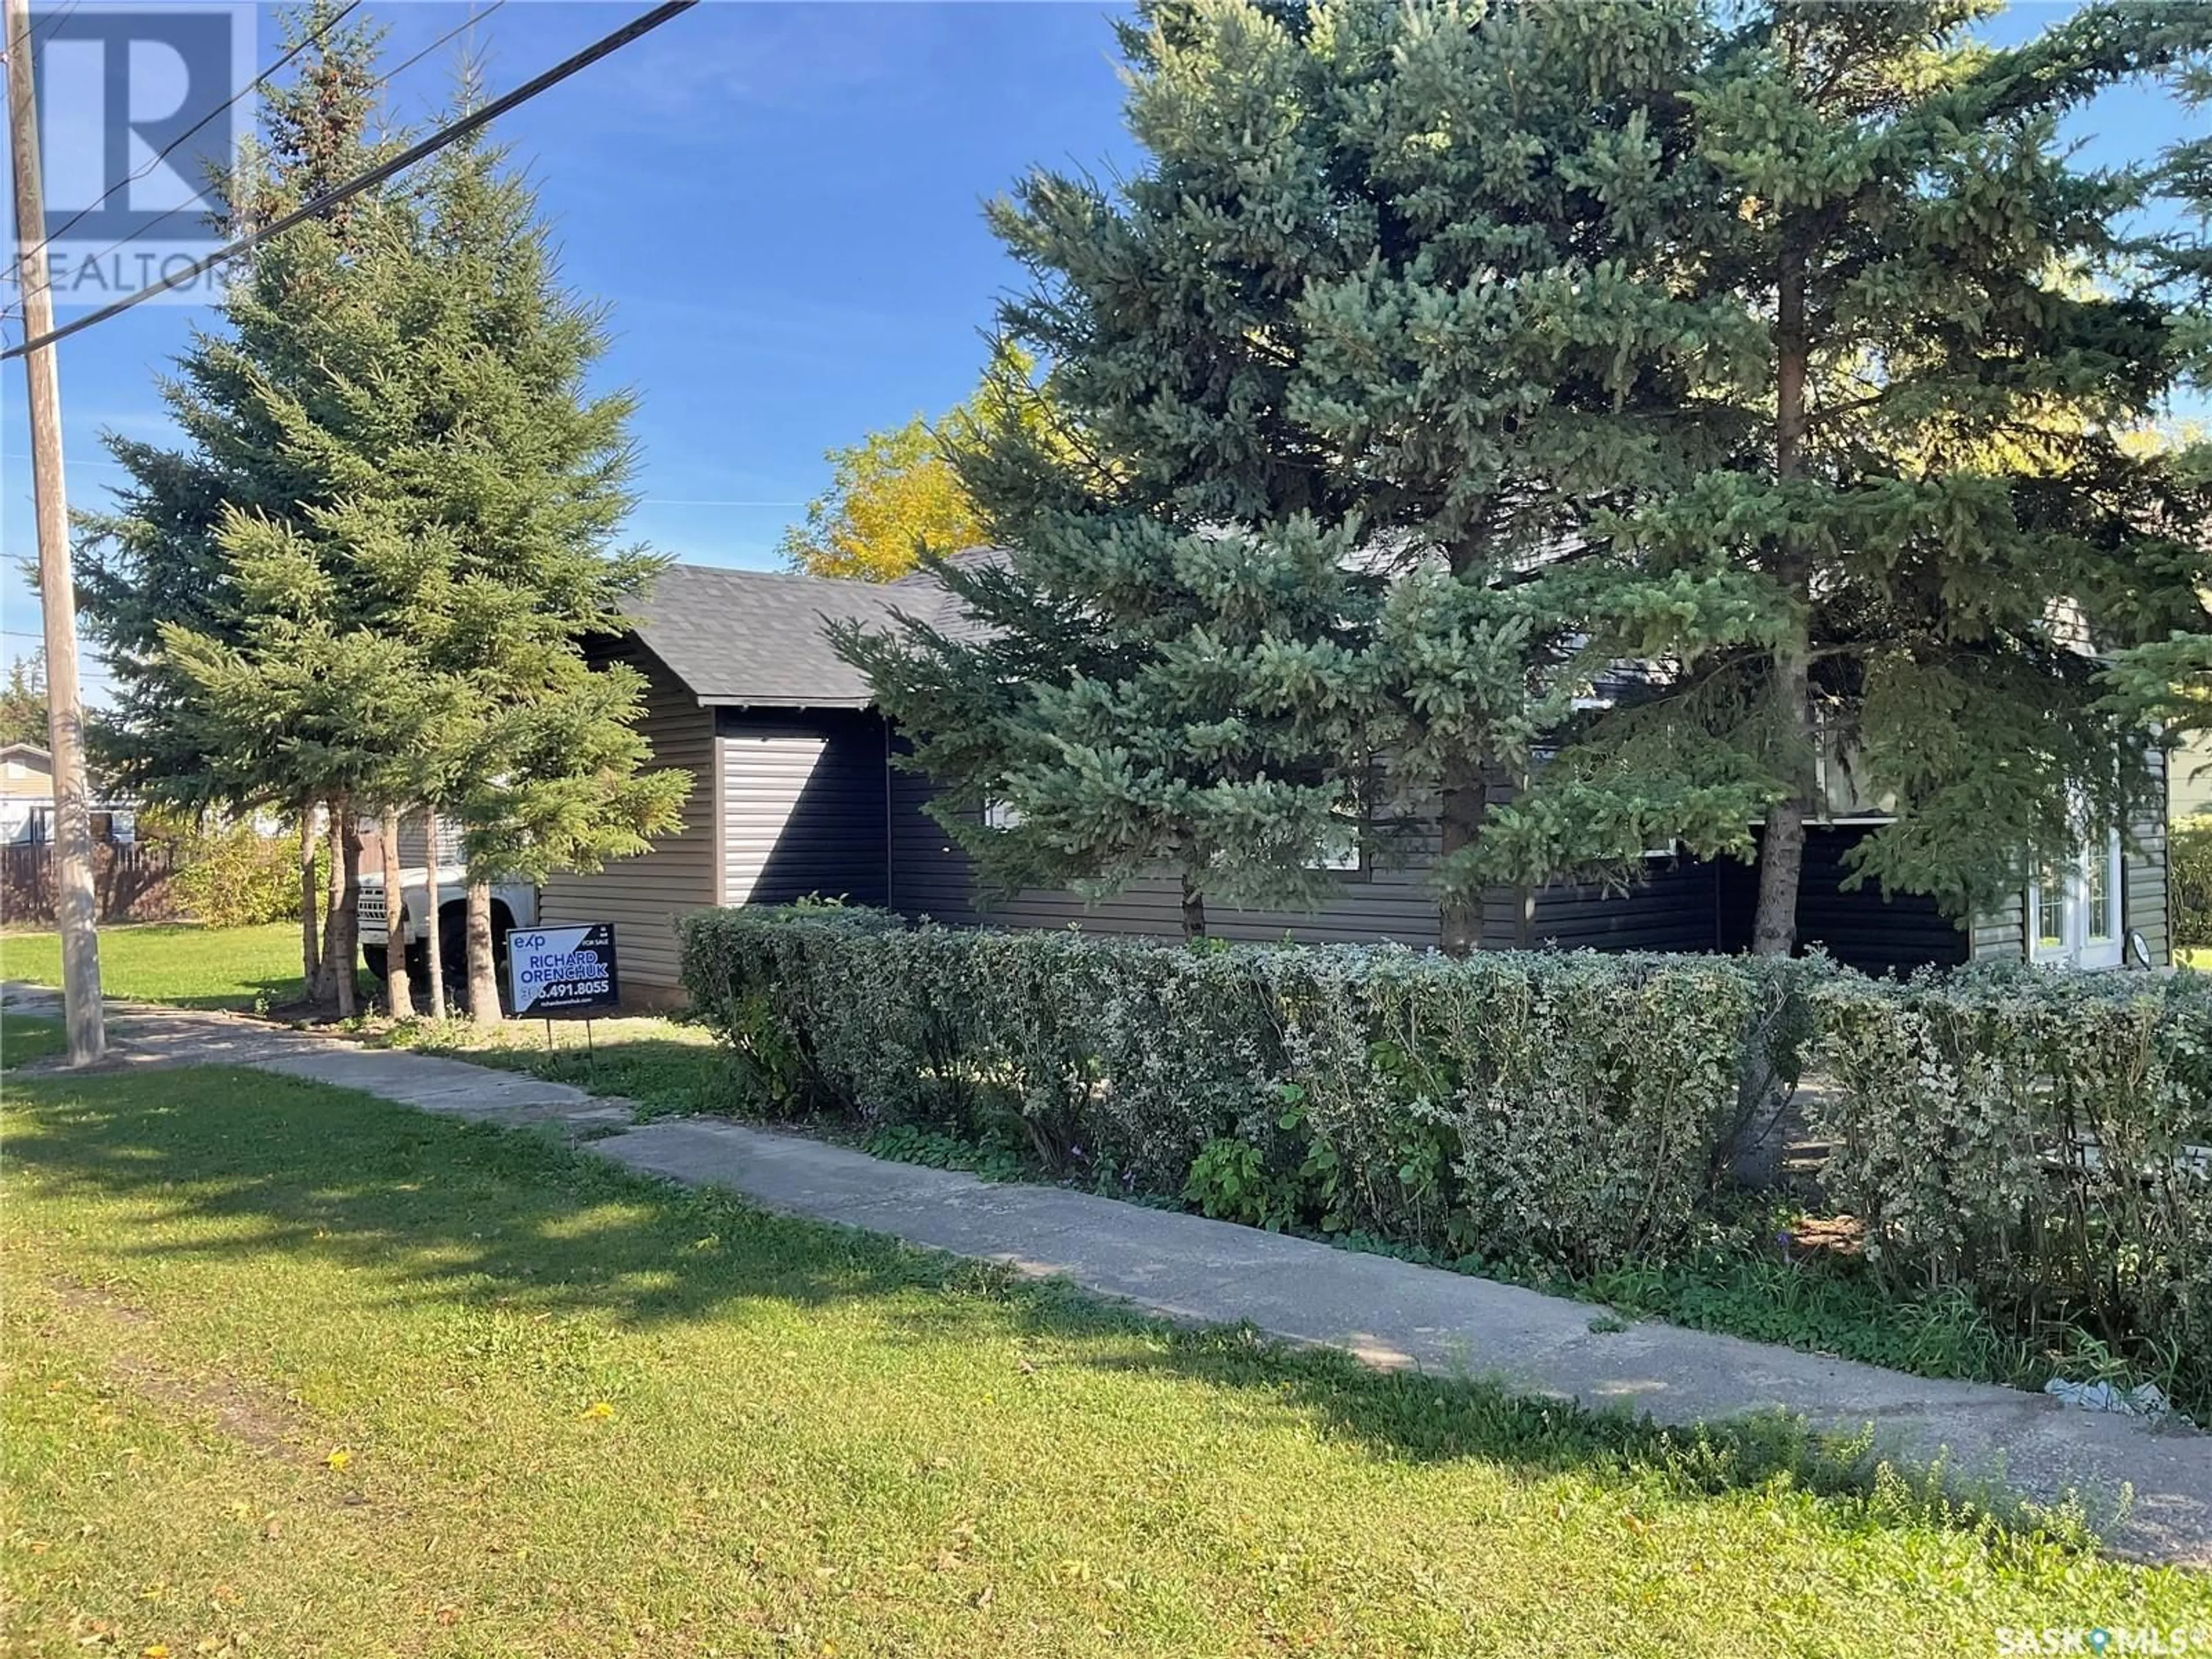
[{"x": 757, "y": 636}]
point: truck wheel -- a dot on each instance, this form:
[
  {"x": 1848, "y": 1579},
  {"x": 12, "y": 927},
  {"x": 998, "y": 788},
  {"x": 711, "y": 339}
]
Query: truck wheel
[{"x": 453, "y": 956}]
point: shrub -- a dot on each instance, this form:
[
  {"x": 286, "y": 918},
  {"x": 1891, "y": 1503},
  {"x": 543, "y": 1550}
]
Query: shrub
[
  {"x": 2043, "y": 1140},
  {"x": 230, "y": 875},
  {"x": 1570, "y": 1108},
  {"x": 2189, "y": 852}
]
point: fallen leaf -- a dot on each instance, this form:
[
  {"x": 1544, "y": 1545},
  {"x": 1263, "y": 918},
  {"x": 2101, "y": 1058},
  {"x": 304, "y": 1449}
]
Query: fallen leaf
[
  {"x": 599, "y": 1411},
  {"x": 339, "y": 1459}
]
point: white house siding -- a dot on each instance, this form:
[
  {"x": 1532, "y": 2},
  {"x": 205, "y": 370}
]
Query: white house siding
[{"x": 644, "y": 896}]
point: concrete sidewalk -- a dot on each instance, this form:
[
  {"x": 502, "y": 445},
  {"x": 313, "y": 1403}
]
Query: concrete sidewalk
[{"x": 1388, "y": 1312}]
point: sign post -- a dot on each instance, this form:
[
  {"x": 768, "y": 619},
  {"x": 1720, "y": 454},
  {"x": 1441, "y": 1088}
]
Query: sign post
[{"x": 564, "y": 972}]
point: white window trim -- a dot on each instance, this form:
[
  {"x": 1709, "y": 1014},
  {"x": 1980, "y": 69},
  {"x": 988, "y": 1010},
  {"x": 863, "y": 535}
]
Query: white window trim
[
  {"x": 2072, "y": 946},
  {"x": 1351, "y": 856}
]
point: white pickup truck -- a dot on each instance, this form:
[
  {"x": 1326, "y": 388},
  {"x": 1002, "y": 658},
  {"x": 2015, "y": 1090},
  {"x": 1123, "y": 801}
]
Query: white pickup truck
[{"x": 513, "y": 904}]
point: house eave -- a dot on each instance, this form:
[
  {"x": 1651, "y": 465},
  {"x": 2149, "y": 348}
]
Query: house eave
[{"x": 744, "y": 701}]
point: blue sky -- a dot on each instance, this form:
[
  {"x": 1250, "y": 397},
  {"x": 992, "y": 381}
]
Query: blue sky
[{"x": 783, "y": 206}]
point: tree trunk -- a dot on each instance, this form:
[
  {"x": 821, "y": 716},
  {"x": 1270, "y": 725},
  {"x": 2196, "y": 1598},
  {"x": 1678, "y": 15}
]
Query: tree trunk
[
  {"x": 1193, "y": 911},
  {"x": 1465, "y": 804},
  {"x": 483, "y": 972},
  {"x": 399, "y": 996},
  {"x": 325, "y": 990},
  {"x": 311, "y": 941},
  {"x": 342, "y": 927},
  {"x": 1782, "y": 850},
  {"x": 434, "y": 951}
]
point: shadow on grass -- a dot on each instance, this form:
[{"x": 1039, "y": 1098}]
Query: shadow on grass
[
  {"x": 437, "y": 1209},
  {"x": 27, "y": 1038}
]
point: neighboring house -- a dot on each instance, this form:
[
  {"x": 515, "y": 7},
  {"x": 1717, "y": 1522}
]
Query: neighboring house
[
  {"x": 796, "y": 795},
  {"x": 26, "y": 800},
  {"x": 2189, "y": 779}
]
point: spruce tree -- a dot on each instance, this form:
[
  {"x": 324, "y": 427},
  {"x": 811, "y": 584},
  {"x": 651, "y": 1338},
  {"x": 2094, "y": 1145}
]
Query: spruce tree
[
  {"x": 1923, "y": 467},
  {"x": 503, "y": 490},
  {"x": 2166, "y": 678},
  {"x": 367, "y": 580},
  {"x": 1376, "y": 329},
  {"x": 1682, "y": 378},
  {"x": 170, "y": 561}
]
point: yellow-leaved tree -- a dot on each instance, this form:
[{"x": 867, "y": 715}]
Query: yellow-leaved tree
[
  {"x": 898, "y": 490},
  {"x": 891, "y": 492}
]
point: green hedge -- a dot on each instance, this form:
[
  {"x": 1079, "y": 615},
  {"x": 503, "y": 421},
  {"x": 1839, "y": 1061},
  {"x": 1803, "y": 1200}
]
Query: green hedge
[
  {"x": 1572, "y": 1108},
  {"x": 2042, "y": 1138},
  {"x": 2036, "y": 1138}
]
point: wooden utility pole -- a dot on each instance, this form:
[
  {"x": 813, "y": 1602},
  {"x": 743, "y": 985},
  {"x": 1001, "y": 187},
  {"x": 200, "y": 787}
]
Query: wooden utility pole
[{"x": 74, "y": 902}]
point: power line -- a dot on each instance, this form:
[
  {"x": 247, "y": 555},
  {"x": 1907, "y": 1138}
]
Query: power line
[
  {"x": 254, "y": 85},
  {"x": 383, "y": 82},
  {"x": 52, "y": 21},
  {"x": 376, "y": 175}
]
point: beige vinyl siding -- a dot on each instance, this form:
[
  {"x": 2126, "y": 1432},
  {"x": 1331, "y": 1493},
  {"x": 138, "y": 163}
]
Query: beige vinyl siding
[
  {"x": 2188, "y": 779},
  {"x": 643, "y": 897},
  {"x": 2144, "y": 878},
  {"x": 2002, "y": 934}
]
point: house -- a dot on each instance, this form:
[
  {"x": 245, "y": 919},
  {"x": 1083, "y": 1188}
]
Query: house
[
  {"x": 27, "y": 801},
  {"x": 2189, "y": 779},
  {"x": 796, "y": 795}
]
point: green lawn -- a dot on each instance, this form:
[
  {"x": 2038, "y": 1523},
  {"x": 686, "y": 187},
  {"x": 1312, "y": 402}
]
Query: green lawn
[
  {"x": 178, "y": 962},
  {"x": 23, "y": 1040},
  {"x": 669, "y": 1068},
  {"x": 295, "y": 1371}
]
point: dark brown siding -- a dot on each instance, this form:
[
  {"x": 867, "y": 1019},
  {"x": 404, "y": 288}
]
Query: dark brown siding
[
  {"x": 1674, "y": 908},
  {"x": 643, "y": 896},
  {"x": 1859, "y": 927},
  {"x": 803, "y": 805}
]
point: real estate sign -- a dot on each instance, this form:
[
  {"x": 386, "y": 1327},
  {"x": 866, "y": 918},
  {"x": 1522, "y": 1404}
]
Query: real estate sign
[{"x": 562, "y": 970}]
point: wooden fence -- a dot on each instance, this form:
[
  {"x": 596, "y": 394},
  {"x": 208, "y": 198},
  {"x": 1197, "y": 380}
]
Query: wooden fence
[{"x": 129, "y": 879}]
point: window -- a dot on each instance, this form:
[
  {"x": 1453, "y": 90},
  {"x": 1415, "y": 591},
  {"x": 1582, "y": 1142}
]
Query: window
[
  {"x": 2074, "y": 909},
  {"x": 2050, "y": 906},
  {"x": 1343, "y": 848},
  {"x": 2097, "y": 893}
]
